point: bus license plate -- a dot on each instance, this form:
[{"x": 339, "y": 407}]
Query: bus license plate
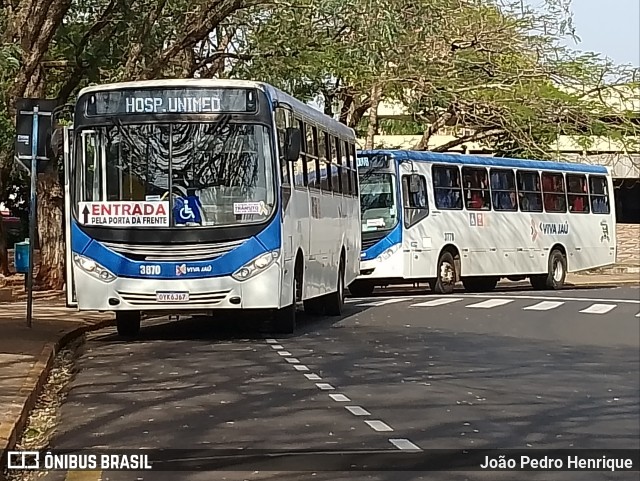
[{"x": 172, "y": 296}]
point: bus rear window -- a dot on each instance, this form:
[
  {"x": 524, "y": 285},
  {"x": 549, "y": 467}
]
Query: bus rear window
[{"x": 599, "y": 194}]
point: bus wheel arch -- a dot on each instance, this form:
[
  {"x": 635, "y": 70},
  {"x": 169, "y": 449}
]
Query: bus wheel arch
[
  {"x": 447, "y": 270},
  {"x": 285, "y": 318},
  {"x": 557, "y": 266}
]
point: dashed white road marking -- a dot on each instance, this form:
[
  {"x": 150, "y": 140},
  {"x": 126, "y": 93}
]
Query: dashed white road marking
[
  {"x": 357, "y": 411},
  {"x": 543, "y": 306},
  {"x": 272, "y": 341},
  {"x": 276, "y": 346},
  {"x": 404, "y": 444},
  {"x": 488, "y": 304},
  {"x": 437, "y": 302},
  {"x": 284, "y": 353},
  {"x": 341, "y": 398},
  {"x": 292, "y": 360},
  {"x": 312, "y": 377},
  {"x": 324, "y": 386},
  {"x": 638, "y": 314},
  {"x": 598, "y": 308},
  {"x": 555, "y": 298},
  {"x": 300, "y": 367},
  {"x": 379, "y": 426},
  {"x": 382, "y": 303}
]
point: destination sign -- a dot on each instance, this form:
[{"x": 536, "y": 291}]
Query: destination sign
[
  {"x": 373, "y": 162},
  {"x": 171, "y": 101}
]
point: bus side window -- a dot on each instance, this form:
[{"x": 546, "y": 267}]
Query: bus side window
[
  {"x": 476, "y": 188},
  {"x": 414, "y": 199},
  {"x": 323, "y": 153},
  {"x": 326, "y": 165},
  {"x": 311, "y": 157},
  {"x": 446, "y": 187},
  {"x": 599, "y": 194},
  {"x": 529, "y": 192},
  {"x": 577, "y": 193},
  {"x": 300, "y": 166},
  {"x": 503, "y": 190},
  {"x": 553, "y": 192},
  {"x": 282, "y": 121},
  {"x": 354, "y": 172}
]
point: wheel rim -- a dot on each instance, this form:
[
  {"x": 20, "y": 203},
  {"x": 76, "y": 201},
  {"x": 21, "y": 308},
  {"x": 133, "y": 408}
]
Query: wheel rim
[
  {"x": 340, "y": 287},
  {"x": 447, "y": 273},
  {"x": 558, "y": 270}
]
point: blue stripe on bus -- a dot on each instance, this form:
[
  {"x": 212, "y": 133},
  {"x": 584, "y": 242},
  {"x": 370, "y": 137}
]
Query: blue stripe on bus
[
  {"x": 465, "y": 159},
  {"x": 392, "y": 238},
  {"x": 267, "y": 240}
]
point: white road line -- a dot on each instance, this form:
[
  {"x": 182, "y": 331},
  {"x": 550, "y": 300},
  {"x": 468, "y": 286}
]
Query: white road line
[
  {"x": 381, "y": 303},
  {"x": 638, "y": 314},
  {"x": 598, "y": 308},
  {"x": 488, "y": 304},
  {"x": 555, "y": 298},
  {"x": 324, "y": 386},
  {"x": 300, "y": 367},
  {"x": 292, "y": 360},
  {"x": 404, "y": 444},
  {"x": 341, "y": 398},
  {"x": 357, "y": 411},
  {"x": 276, "y": 346},
  {"x": 312, "y": 377},
  {"x": 284, "y": 353},
  {"x": 272, "y": 341},
  {"x": 379, "y": 426},
  {"x": 437, "y": 302},
  {"x": 543, "y": 306}
]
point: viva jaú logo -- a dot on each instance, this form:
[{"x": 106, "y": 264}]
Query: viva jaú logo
[
  {"x": 180, "y": 270},
  {"x": 534, "y": 230}
]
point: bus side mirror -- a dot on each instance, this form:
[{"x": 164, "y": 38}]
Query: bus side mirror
[{"x": 293, "y": 141}]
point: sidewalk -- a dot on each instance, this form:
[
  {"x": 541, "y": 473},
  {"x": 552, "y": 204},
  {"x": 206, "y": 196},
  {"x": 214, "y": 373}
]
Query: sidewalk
[{"x": 26, "y": 354}]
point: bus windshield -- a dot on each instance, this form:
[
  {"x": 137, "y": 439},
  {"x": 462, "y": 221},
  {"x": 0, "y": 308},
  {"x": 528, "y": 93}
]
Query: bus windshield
[
  {"x": 222, "y": 171},
  {"x": 378, "y": 201}
]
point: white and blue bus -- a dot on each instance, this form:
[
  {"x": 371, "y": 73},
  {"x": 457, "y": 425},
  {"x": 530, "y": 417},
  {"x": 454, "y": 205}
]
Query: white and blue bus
[
  {"x": 444, "y": 218},
  {"x": 200, "y": 195}
]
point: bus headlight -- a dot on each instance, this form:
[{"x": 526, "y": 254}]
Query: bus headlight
[
  {"x": 255, "y": 266},
  {"x": 388, "y": 253},
  {"x": 93, "y": 268}
]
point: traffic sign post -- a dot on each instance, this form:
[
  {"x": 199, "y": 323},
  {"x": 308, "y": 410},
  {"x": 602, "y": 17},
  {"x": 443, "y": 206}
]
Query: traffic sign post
[{"x": 31, "y": 146}]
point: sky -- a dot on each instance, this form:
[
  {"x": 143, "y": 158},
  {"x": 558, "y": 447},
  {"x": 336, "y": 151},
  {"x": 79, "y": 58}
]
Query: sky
[{"x": 609, "y": 27}]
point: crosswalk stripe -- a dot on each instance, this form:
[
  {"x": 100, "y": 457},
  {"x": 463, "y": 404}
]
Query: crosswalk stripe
[
  {"x": 543, "y": 306},
  {"x": 598, "y": 308},
  {"x": 638, "y": 314},
  {"x": 381, "y": 303},
  {"x": 437, "y": 302},
  {"x": 488, "y": 304}
]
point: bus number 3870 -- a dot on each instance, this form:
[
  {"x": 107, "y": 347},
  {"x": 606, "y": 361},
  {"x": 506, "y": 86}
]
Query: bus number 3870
[{"x": 150, "y": 270}]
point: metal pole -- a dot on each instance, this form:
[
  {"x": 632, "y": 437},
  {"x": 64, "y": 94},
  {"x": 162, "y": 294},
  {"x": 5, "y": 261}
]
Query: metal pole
[{"x": 32, "y": 213}]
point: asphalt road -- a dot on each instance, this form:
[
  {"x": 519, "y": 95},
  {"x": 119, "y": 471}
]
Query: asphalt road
[{"x": 401, "y": 371}]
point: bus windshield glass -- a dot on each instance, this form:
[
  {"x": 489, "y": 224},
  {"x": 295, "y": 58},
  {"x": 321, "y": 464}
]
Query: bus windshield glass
[
  {"x": 213, "y": 174},
  {"x": 378, "y": 201}
]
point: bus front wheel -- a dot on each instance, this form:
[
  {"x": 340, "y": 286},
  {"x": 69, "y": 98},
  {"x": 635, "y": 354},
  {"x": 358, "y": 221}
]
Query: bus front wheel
[
  {"x": 285, "y": 318},
  {"x": 128, "y": 323},
  {"x": 556, "y": 274},
  {"x": 447, "y": 276},
  {"x": 361, "y": 288}
]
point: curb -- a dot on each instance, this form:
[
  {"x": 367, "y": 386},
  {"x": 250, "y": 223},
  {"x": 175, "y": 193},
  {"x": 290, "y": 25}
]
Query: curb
[
  {"x": 36, "y": 380},
  {"x": 622, "y": 282}
]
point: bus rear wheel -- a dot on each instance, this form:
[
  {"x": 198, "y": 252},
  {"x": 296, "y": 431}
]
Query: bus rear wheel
[
  {"x": 479, "y": 284},
  {"x": 335, "y": 301},
  {"x": 361, "y": 288},
  {"x": 128, "y": 323},
  {"x": 447, "y": 276},
  {"x": 556, "y": 275}
]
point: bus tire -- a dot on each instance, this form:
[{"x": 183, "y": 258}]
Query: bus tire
[
  {"x": 335, "y": 300},
  {"x": 128, "y": 323},
  {"x": 479, "y": 284},
  {"x": 285, "y": 318},
  {"x": 446, "y": 285},
  {"x": 557, "y": 273},
  {"x": 361, "y": 288}
]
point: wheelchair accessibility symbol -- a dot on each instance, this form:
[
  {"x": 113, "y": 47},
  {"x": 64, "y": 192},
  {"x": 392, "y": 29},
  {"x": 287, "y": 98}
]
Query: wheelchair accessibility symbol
[{"x": 187, "y": 209}]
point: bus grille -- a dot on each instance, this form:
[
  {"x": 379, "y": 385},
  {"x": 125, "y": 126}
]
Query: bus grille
[
  {"x": 199, "y": 298},
  {"x": 173, "y": 253}
]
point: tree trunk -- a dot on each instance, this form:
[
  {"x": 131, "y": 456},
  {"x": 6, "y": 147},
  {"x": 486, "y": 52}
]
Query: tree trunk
[
  {"x": 51, "y": 230},
  {"x": 376, "y": 94},
  {"x": 4, "y": 253}
]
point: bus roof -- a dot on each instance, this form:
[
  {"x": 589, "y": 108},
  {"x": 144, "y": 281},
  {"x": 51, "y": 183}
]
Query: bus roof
[
  {"x": 276, "y": 95},
  {"x": 465, "y": 159}
]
